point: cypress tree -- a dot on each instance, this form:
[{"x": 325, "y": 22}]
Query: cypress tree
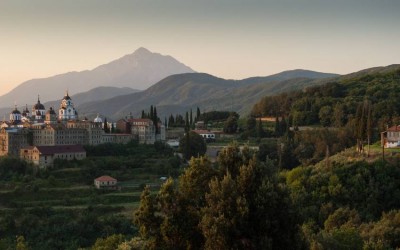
[
  {"x": 105, "y": 126},
  {"x": 198, "y": 114},
  {"x": 191, "y": 117},
  {"x": 155, "y": 119}
]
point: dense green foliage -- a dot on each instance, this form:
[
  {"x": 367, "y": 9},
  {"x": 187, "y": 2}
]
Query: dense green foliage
[
  {"x": 348, "y": 204},
  {"x": 192, "y": 145},
  {"x": 239, "y": 205},
  {"x": 335, "y": 103},
  {"x": 213, "y": 116}
]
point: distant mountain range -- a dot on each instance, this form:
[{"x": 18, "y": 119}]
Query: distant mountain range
[
  {"x": 179, "y": 93},
  {"x": 138, "y": 70},
  {"x": 177, "y": 88}
]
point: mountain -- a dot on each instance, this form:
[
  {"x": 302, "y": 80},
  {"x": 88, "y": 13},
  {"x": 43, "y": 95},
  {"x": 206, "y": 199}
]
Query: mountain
[
  {"x": 181, "y": 92},
  {"x": 99, "y": 93},
  {"x": 138, "y": 70}
]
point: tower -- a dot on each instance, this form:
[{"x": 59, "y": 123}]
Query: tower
[
  {"x": 38, "y": 111},
  {"x": 15, "y": 116},
  {"x": 51, "y": 116},
  {"x": 67, "y": 110}
]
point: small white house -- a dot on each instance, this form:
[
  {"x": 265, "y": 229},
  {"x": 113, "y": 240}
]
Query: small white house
[
  {"x": 206, "y": 134},
  {"x": 106, "y": 182}
]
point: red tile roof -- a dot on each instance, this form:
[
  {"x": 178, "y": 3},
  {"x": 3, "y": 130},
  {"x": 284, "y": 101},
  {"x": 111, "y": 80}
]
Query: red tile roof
[
  {"x": 105, "y": 178},
  {"x": 50, "y": 150},
  {"x": 394, "y": 128}
]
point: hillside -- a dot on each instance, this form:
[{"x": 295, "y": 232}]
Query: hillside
[
  {"x": 339, "y": 101},
  {"x": 184, "y": 91},
  {"x": 138, "y": 70}
]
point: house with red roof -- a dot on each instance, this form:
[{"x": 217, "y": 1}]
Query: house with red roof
[
  {"x": 44, "y": 156},
  {"x": 105, "y": 182},
  {"x": 206, "y": 134}
]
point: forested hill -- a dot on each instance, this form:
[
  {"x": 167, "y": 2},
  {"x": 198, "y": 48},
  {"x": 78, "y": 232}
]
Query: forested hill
[
  {"x": 181, "y": 92},
  {"x": 338, "y": 102}
]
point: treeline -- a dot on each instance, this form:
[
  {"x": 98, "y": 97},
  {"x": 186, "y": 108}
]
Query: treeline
[
  {"x": 240, "y": 204},
  {"x": 305, "y": 148},
  {"x": 152, "y": 115},
  {"x": 227, "y": 118},
  {"x": 348, "y": 205},
  {"x": 48, "y": 228},
  {"x": 184, "y": 122},
  {"x": 336, "y": 103}
]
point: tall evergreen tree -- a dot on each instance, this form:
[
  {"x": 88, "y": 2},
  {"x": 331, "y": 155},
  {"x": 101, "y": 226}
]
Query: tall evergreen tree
[
  {"x": 198, "y": 114},
  {"x": 260, "y": 129},
  {"x": 105, "y": 126},
  {"x": 147, "y": 220},
  {"x": 187, "y": 123},
  {"x": 151, "y": 112},
  {"x": 155, "y": 120}
]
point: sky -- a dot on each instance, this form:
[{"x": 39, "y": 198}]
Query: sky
[{"x": 232, "y": 39}]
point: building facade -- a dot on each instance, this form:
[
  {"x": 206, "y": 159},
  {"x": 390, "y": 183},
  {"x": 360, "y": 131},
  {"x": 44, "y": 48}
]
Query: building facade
[
  {"x": 144, "y": 130},
  {"x": 12, "y": 140},
  {"x": 44, "y": 156}
]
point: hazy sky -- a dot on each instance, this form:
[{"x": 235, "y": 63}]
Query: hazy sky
[{"x": 227, "y": 38}]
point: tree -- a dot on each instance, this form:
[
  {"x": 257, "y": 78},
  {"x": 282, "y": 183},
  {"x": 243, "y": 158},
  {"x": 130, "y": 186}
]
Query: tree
[
  {"x": 338, "y": 115},
  {"x": 110, "y": 242},
  {"x": 198, "y": 114},
  {"x": 21, "y": 245},
  {"x": 105, "y": 126},
  {"x": 147, "y": 220},
  {"x": 191, "y": 117},
  {"x": 187, "y": 123},
  {"x": 171, "y": 121},
  {"x": 369, "y": 126},
  {"x": 231, "y": 124},
  {"x": 325, "y": 116},
  {"x": 224, "y": 215},
  {"x": 155, "y": 120},
  {"x": 192, "y": 144},
  {"x": 278, "y": 128},
  {"x": 251, "y": 124}
]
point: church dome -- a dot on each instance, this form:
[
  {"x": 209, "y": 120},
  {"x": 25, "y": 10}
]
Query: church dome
[
  {"x": 25, "y": 112},
  {"x": 16, "y": 111},
  {"x": 66, "y": 97},
  {"x": 98, "y": 119},
  {"x": 38, "y": 105}
]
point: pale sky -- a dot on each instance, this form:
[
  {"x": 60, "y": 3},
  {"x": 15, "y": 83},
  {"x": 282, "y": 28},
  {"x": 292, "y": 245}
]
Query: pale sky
[{"x": 232, "y": 39}]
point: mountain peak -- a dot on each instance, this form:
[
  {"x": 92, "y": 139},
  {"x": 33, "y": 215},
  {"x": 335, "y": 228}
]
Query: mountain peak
[{"x": 142, "y": 51}]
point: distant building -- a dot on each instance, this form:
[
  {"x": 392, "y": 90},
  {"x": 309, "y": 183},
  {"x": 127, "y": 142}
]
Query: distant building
[
  {"x": 200, "y": 125},
  {"x": 12, "y": 139},
  {"x": 144, "y": 130},
  {"x": 106, "y": 182},
  {"x": 206, "y": 134},
  {"x": 173, "y": 143},
  {"x": 44, "y": 156},
  {"x": 117, "y": 138},
  {"x": 391, "y": 137},
  {"x": 38, "y": 111},
  {"x": 67, "y": 110},
  {"x": 124, "y": 126}
]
